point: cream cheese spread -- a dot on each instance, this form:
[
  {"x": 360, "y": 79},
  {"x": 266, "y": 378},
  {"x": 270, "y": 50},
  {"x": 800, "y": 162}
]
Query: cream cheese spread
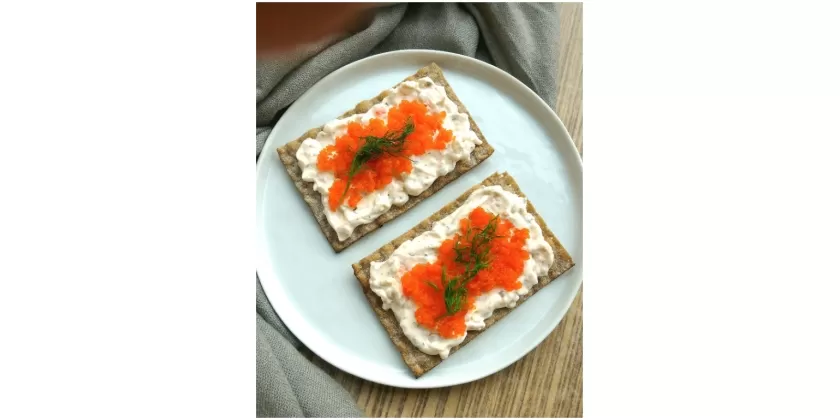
[
  {"x": 386, "y": 275},
  {"x": 426, "y": 168}
]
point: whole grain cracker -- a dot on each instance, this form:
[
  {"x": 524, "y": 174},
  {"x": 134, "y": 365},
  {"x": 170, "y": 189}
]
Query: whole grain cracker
[
  {"x": 313, "y": 198},
  {"x": 420, "y": 362}
]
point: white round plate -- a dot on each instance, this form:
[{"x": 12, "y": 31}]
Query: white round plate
[{"x": 313, "y": 289}]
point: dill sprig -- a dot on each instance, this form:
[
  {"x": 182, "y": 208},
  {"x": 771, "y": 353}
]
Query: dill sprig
[
  {"x": 391, "y": 143},
  {"x": 473, "y": 251}
]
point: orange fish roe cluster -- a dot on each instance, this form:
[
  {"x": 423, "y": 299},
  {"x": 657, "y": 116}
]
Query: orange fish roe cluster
[
  {"x": 379, "y": 171},
  {"x": 423, "y": 284}
]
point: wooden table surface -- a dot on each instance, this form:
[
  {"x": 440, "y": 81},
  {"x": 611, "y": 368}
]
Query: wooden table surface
[{"x": 547, "y": 382}]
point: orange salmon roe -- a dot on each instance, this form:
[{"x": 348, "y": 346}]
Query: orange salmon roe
[
  {"x": 507, "y": 261},
  {"x": 379, "y": 171}
]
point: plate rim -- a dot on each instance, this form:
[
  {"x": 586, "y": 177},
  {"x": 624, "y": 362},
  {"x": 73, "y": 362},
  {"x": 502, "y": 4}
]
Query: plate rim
[{"x": 262, "y": 265}]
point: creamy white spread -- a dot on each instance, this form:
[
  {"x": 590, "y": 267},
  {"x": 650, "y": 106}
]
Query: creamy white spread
[
  {"x": 386, "y": 275},
  {"x": 426, "y": 168}
]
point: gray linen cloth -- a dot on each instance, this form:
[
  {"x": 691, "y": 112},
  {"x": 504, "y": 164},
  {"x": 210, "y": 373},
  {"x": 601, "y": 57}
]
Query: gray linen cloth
[{"x": 520, "y": 38}]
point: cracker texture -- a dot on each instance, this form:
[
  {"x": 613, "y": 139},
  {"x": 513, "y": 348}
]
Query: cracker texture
[
  {"x": 420, "y": 362},
  {"x": 313, "y": 198}
]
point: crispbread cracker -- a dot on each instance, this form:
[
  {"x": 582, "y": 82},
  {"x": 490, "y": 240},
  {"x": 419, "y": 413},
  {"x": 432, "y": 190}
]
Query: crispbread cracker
[
  {"x": 418, "y": 361},
  {"x": 313, "y": 198}
]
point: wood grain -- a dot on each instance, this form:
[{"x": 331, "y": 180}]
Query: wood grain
[{"x": 548, "y": 382}]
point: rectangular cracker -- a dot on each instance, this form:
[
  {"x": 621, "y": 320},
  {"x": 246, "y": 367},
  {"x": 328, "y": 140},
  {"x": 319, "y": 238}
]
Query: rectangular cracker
[
  {"x": 418, "y": 361},
  {"x": 313, "y": 198}
]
